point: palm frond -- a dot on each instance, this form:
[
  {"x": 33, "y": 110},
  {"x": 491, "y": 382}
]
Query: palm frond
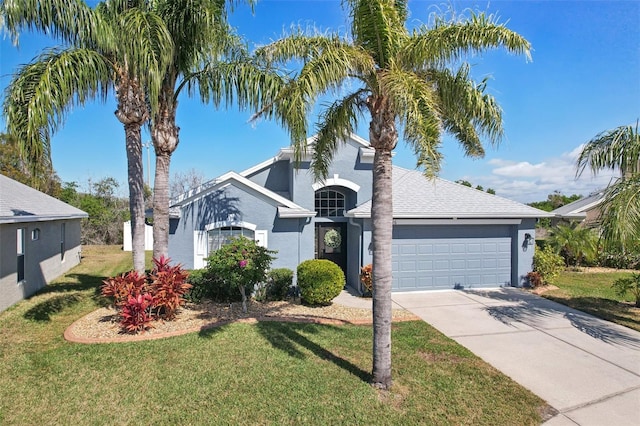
[
  {"x": 445, "y": 41},
  {"x": 618, "y": 148},
  {"x": 42, "y": 93},
  {"x": 620, "y": 216},
  {"x": 378, "y": 27},
  {"x": 335, "y": 124},
  {"x": 148, "y": 55},
  {"x": 468, "y": 111},
  {"x": 72, "y": 21}
]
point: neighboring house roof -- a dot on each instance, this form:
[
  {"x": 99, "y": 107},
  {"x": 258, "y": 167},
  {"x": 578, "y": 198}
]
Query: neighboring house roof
[
  {"x": 418, "y": 197},
  {"x": 21, "y": 203},
  {"x": 286, "y": 208},
  {"x": 578, "y": 209}
]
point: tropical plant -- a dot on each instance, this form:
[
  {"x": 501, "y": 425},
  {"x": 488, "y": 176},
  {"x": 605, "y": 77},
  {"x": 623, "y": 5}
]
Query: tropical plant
[
  {"x": 366, "y": 277},
  {"x": 626, "y": 285},
  {"x": 242, "y": 264},
  {"x": 320, "y": 281},
  {"x": 414, "y": 81},
  {"x": 576, "y": 244},
  {"x": 118, "y": 46},
  {"x": 142, "y": 298},
  {"x": 620, "y": 213}
]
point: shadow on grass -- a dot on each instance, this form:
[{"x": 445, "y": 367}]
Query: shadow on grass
[
  {"x": 42, "y": 311},
  {"x": 289, "y": 338},
  {"x": 534, "y": 310},
  {"x": 610, "y": 310},
  {"x": 66, "y": 294}
]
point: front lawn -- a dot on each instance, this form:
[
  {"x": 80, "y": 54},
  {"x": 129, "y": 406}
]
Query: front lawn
[
  {"x": 264, "y": 373},
  {"x": 591, "y": 292}
]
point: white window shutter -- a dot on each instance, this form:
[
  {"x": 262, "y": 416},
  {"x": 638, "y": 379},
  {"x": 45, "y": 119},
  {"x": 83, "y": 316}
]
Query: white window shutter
[
  {"x": 199, "y": 249},
  {"x": 261, "y": 238}
]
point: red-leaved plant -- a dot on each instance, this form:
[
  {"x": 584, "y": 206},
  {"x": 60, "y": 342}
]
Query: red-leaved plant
[
  {"x": 169, "y": 284},
  {"x": 136, "y": 314},
  {"x": 140, "y": 299}
]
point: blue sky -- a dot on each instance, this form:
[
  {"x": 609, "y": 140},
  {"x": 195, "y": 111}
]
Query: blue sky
[{"x": 584, "y": 79}]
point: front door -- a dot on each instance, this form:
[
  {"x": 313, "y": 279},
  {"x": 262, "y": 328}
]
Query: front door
[{"x": 331, "y": 243}]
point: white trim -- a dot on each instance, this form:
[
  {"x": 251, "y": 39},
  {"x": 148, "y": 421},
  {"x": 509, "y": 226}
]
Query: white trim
[
  {"x": 261, "y": 238},
  {"x": 232, "y": 222},
  {"x": 200, "y": 240},
  {"x": 336, "y": 180},
  {"x": 288, "y": 213}
]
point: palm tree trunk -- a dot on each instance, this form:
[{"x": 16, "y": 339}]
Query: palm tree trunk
[
  {"x": 136, "y": 193},
  {"x": 132, "y": 112},
  {"x": 382, "y": 226},
  {"x": 161, "y": 205},
  {"x": 165, "y": 135}
]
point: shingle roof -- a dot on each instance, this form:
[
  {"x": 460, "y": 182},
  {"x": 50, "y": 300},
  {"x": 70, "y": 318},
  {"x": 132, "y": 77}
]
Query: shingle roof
[
  {"x": 21, "y": 203},
  {"x": 415, "y": 196},
  {"x": 579, "y": 207}
]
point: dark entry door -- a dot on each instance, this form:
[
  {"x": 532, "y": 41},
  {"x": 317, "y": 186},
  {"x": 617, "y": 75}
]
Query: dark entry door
[{"x": 331, "y": 243}]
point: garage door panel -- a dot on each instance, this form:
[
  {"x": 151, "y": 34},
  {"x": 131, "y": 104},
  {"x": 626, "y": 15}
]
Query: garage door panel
[{"x": 446, "y": 263}]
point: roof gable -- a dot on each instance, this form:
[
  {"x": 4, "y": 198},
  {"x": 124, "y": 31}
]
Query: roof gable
[
  {"x": 232, "y": 178},
  {"x": 21, "y": 203},
  {"x": 416, "y": 196}
]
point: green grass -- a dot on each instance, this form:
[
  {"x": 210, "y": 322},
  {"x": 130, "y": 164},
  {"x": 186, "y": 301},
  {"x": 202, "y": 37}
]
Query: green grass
[
  {"x": 264, "y": 373},
  {"x": 591, "y": 292}
]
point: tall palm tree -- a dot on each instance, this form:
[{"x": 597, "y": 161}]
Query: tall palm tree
[
  {"x": 210, "y": 60},
  {"x": 404, "y": 81},
  {"x": 119, "y": 46},
  {"x": 620, "y": 215}
]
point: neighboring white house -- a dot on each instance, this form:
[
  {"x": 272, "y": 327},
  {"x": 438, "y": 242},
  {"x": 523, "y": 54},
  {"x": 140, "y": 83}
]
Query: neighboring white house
[
  {"x": 39, "y": 240},
  {"x": 126, "y": 237}
]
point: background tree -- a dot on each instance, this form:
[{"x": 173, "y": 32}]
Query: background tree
[
  {"x": 401, "y": 79},
  {"x": 620, "y": 215},
  {"x": 119, "y": 45},
  {"x": 182, "y": 182},
  {"x": 43, "y": 178}
]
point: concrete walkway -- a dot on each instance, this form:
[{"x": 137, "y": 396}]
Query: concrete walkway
[{"x": 586, "y": 368}]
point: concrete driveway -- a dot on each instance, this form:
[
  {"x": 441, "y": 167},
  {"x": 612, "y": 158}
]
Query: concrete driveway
[{"x": 586, "y": 368}]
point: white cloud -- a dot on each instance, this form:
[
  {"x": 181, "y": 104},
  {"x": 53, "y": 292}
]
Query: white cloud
[{"x": 527, "y": 182}]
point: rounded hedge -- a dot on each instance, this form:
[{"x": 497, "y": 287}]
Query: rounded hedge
[{"x": 320, "y": 281}]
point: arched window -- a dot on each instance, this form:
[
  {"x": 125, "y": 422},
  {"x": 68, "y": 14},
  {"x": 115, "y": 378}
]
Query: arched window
[
  {"x": 218, "y": 237},
  {"x": 329, "y": 203}
]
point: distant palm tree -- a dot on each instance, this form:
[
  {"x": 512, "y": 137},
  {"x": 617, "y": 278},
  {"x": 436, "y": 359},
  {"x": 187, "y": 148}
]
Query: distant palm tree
[
  {"x": 408, "y": 80},
  {"x": 119, "y": 46},
  {"x": 620, "y": 214},
  {"x": 574, "y": 243},
  {"x": 209, "y": 59}
]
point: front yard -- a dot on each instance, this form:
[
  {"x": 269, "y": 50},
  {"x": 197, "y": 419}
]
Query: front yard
[{"x": 264, "y": 373}]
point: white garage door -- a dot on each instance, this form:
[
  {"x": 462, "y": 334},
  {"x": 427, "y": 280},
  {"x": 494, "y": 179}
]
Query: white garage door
[{"x": 447, "y": 263}]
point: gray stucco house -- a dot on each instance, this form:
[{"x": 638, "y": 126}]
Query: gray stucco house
[
  {"x": 445, "y": 235},
  {"x": 39, "y": 240}
]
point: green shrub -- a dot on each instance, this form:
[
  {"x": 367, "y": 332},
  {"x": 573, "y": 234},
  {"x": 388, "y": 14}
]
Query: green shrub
[
  {"x": 241, "y": 264},
  {"x": 198, "y": 280},
  {"x": 279, "y": 283},
  {"x": 548, "y": 264},
  {"x": 320, "y": 281},
  {"x": 626, "y": 285}
]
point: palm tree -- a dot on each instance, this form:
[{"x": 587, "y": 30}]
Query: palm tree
[
  {"x": 209, "y": 59},
  {"x": 100, "y": 54},
  {"x": 620, "y": 215},
  {"x": 404, "y": 80},
  {"x": 576, "y": 244}
]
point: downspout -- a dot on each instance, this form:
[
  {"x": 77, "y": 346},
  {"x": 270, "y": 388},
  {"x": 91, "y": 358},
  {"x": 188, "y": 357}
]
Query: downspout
[{"x": 361, "y": 248}]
